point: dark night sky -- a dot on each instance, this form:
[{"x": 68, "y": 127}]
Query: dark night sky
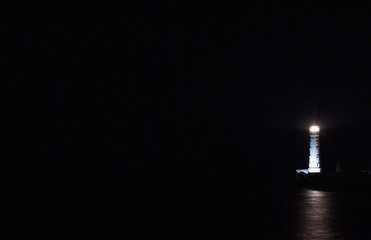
[{"x": 187, "y": 88}]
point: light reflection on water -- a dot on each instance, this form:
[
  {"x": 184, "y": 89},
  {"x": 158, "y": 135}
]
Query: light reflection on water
[{"x": 317, "y": 217}]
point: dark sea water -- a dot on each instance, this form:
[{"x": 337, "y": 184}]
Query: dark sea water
[
  {"x": 183, "y": 209},
  {"x": 278, "y": 212},
  {"x": 325, "y": 215}
]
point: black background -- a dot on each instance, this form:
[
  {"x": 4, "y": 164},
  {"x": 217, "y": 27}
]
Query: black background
[{"x": 187, "y": 95}]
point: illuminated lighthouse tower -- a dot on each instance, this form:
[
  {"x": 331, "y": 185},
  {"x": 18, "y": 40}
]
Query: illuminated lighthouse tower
[{"x": 314, "y": 157}]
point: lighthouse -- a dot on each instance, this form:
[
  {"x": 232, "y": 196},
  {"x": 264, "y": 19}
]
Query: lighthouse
[{"x": 314, "y": 156}]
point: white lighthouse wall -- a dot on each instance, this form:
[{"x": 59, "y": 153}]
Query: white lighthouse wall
[{"x": 314, "y": 161}]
